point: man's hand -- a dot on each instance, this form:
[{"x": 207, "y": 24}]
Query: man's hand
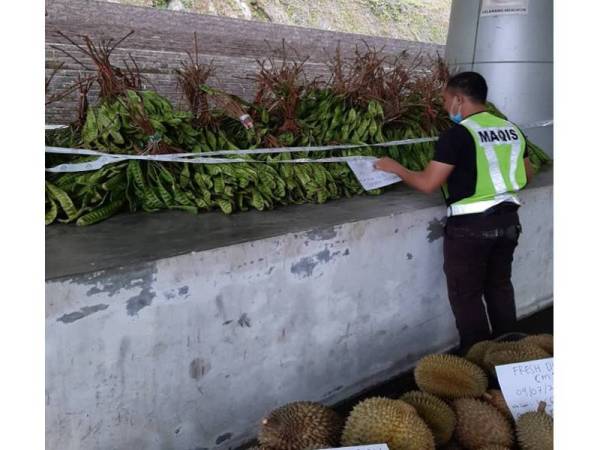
[
  {"x": 428, "y": 180},
  {"x": 529, "y": 170},
  {"x": 387, "y": 165}
]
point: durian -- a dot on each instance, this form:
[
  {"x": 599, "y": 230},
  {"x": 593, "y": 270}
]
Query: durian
[
  {"x": 495, "y": 398},
  {"x": 535, "y": 430},
  {"x": 544, "y": 341},
  {"x": 438, "y": 416},
  {"x": 477, "y": 352},
  {"x": 452, "y": 445},
  {"x": 378, "y": 420},
  {"x": 450, "y": 376},
  {"x": 300, "y": 426},
  {"x": 480, "y": 424},
  {"x": 494, "y": 447},
  {"x": 512, "y": 352},
  {"x": 508, "y": 345}
]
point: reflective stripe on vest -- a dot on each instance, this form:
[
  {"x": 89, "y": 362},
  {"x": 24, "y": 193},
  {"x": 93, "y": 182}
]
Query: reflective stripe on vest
[
  {"x": 479, "y": 207},
  {"x": 503, "y": 185}
]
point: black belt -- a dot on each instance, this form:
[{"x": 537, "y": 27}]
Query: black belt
[
  {"x": 510, "y": 232},
  {"x": 501, "y": 208}
]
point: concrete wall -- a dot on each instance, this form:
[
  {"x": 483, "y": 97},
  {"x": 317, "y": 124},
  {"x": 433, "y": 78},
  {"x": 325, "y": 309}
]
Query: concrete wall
[
  {"x": 188, "y": 352},
  {"x": 163, "y": 37}
]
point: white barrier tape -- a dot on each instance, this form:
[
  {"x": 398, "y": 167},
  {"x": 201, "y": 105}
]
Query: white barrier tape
[
  {"x": 254, "y": 151},
  {"x": 310, "y": 149},
  {"x": 540, "y": 124},
  {"x": 85, "y": 166},
  {"x": 205, "y": 157},
  {"x": 105, "y": 160},
  {"x": 56, "y": 127}
]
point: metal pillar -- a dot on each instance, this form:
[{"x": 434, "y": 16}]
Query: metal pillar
[{"x": 515, "y": 55}]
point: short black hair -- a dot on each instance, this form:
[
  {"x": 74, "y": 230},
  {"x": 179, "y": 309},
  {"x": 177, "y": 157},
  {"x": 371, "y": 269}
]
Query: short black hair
[{"x": 471, "y": 84}]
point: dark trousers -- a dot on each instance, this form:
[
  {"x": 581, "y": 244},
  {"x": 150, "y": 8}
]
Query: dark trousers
[{"x": 478, "y": 255}]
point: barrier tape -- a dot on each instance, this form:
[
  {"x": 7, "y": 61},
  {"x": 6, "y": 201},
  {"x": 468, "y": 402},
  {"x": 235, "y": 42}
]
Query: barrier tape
[{"x": 209, "y": 157}]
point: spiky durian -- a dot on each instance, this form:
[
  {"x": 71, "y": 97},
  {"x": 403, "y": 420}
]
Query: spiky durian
[
  {"x": 477, "y": 352},
  {"x": 480, "y": 424},
  {"x": 438, "y": 416},
  {"x": 495, "y": 398},
  {"x": 450, "y": 376},
  {"x": 378, "y": 419},
  {"x": 535, "y": 430},
  {"x": 452, "y": 445},
  {"x": 494, "y": 447},
  {"x": 500, "y": 346},
  {"x": 544, "y": 341},
  {"x": 508, "y": 354},
  {"x": 300, "y": 426}
]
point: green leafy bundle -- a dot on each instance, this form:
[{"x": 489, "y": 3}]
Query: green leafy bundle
[{"x": 368, "y": 100}]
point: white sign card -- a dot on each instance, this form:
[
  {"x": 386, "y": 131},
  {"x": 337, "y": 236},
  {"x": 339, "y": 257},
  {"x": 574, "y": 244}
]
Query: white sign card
[
  {"x": 524, "y": 385},
  {"x": 364, "y": 447},
  {"x": 504, "y": 7},
  {"x": 369, "y": 177}
]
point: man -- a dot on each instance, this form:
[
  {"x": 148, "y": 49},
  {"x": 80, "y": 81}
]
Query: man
[{"x": 480, "y": 163}]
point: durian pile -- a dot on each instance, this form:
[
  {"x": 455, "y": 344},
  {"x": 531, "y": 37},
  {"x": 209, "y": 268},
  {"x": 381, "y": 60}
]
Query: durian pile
[{"x": 453, "y": 408}]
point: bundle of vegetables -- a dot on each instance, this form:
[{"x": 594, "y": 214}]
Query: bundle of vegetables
[
  {"x": 368, "y": 100},
  {"x": 536, "y": 155}
]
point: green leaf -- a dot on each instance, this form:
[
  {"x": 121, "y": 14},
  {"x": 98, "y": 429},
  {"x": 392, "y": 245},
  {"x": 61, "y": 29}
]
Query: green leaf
[
  {"x": 225, "y": 205},
  {"x": 184, "y": 176},
  {"x": 257, "y": 200},
  {"x": 90, "y": 128},
  {"x": 117, "y": 137},
  {"x": 101, "y": 213},
  {"x": 51, "y": 213},
  {"x": 64, "y": 200}
]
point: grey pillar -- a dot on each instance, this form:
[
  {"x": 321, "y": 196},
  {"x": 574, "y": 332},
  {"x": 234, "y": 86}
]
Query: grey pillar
[{"x": 515, "y": 55}]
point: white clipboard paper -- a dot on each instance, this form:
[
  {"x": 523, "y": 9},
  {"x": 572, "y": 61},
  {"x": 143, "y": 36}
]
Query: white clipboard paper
[{"x": 369, "y": 177}]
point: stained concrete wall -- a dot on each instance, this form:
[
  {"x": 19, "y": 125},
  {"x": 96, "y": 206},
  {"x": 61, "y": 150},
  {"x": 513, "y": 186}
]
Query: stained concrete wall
[{"x": 188, "y": 351}]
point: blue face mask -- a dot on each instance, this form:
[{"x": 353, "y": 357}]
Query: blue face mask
[{"x": 456, "y": 118}]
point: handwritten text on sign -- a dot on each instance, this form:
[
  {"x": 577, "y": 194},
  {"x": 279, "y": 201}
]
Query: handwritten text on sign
[
  {"x": 369, "y": 177},
  {"x": 524, "y": 385}
]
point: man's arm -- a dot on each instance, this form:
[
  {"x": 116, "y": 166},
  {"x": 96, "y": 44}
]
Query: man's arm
[
  {"x": 432, "y": 178},
  {"x": 529, "y": 170}
]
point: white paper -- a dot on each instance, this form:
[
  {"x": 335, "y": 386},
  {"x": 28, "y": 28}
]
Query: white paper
[
  {"x": 504, "y": 7},
  {"x": 365, "y": 447},
  {"x": 524, "y": 385},
  {"x": 369, "y": 177}
]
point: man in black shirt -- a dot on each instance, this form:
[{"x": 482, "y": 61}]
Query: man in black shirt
[{"x": 480, "y": 163}]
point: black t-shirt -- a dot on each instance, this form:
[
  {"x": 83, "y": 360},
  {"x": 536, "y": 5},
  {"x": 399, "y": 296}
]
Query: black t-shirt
[{"x": 456, "y": 146}]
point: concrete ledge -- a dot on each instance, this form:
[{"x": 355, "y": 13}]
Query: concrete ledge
[
  {"x": 174, "y": 331},
  {"x": 133, "y": 238}
]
